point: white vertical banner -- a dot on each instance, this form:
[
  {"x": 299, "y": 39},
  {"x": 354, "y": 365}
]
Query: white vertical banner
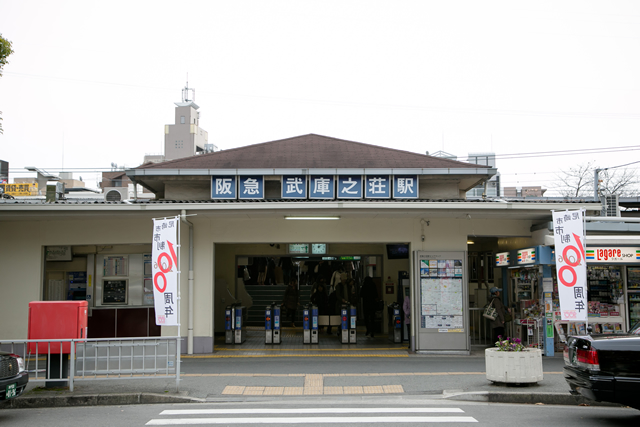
[
  {"x": 571, "y": 264},
  {"x": 165, "y": 260}
]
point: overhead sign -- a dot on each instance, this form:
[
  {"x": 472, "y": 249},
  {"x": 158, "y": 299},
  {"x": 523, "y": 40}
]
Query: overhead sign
[
  {"x": 527, "y": 256},
  {"x": 349, "y": 187},
  {"x": 251, "y": 187},
  {"x": 571, "y": 265},
  {"x": 613, "y": 254},
  {"x": 405, "y": 186},
  {"x": 224, "y": 187},
  {"x": 377, "y": 187},
  {"x": 164, "y": 268},
  {"x": 322, "y": 187},
  {"x": 294, "y": 186},
  {"x": 502, "y": 259}
]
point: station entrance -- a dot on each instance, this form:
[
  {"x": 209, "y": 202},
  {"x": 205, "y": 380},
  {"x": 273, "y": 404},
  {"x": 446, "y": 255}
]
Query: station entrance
[{"x": 261, "y": 274}]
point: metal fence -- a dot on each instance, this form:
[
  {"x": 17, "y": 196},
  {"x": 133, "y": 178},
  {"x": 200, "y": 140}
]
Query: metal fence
[
  {"x": 480, "y": 328},
  {"x": 98, "y": 359}
]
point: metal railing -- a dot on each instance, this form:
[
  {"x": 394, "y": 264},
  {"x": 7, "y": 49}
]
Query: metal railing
[
  {"x": 480, "y": 328},
  {"x": 98, "y": 359}
]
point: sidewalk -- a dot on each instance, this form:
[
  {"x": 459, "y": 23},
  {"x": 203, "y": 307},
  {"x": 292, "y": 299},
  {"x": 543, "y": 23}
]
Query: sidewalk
[{"x": 255, "y": 371}]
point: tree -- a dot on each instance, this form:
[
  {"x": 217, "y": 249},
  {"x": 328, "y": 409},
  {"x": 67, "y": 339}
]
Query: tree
[
  {"x": 5, "y": 51},
  {"x": 578, "y": 181}
]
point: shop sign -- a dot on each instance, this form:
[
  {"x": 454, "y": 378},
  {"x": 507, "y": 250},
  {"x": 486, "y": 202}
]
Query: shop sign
[
  {"x": 502, "y": 259},
  {"x": 322, "y": 187},
  {"x": 164, "y": 268},
  {"x": 377, "y": 187},
  {"x": 294, "y": 186},
  {"x": 527, "y": 256},
  {"x": 24, "y": 189},
  {"x": 571, "y": 264},
  {"x": 613, "y": 254},
  {"x": 223, "y": 187},
  {"x": 405, "y": 186},
  {"x": 251, "y": 187},
  {"x": 58, "y": 253},
  {"x": 349, "y": 187}
]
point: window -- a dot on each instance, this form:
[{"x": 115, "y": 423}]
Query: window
[{"x": 181, "y": 119}]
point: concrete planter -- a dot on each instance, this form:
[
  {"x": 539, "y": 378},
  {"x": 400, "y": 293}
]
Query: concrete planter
[{"x": 513, "y": 366}]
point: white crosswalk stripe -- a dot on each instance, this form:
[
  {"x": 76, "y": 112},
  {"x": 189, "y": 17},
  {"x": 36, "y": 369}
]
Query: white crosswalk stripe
[{"x": 400, "y": 416}]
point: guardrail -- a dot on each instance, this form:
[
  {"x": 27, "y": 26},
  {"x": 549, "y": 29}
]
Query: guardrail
[{"x": 99, "y": 359}]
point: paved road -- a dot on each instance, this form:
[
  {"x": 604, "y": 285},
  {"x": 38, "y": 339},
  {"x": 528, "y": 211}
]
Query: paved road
[{"x": 325, "y": 411}]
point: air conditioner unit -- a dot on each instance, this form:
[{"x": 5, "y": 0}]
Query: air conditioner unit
[
  {"x": 610, "y": 206},
  {"x": 116, "y": 194}
]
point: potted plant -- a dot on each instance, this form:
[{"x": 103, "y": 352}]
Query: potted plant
[{"x": 511, "y": 362}]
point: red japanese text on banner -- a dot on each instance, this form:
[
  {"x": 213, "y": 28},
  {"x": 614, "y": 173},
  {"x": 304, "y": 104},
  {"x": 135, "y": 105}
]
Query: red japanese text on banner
[
  {"x": 164, "y": 257},
  {"x": 571, "y": 264}
]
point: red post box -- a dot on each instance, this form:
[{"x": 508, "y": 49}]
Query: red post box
[{"x": 51, "y": 320}]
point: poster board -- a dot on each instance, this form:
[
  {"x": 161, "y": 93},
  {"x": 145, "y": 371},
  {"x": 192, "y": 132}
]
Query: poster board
[{"x": 441, "y": 292}]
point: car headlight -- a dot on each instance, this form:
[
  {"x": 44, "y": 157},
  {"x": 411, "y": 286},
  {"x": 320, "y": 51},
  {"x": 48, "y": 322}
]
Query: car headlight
[{"x": 20, "y": 360}]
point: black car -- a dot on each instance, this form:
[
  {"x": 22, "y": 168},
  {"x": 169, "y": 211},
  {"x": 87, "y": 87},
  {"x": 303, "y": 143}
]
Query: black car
[
  {"x": 605, "y": 368},
  {"x": 13, "y": 375}
]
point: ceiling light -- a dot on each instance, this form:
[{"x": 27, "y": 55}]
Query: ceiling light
[
  {"x": 470, "y": 242},
  {"x": 312, "y": 217}
]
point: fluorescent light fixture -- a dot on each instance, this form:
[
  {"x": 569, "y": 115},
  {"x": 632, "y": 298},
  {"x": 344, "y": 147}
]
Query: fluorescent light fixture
[
  {"x": 470, "y": 242},
  {"x": 312, "y": 217}
]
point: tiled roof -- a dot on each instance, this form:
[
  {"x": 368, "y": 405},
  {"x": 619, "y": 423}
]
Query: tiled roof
[{"x": 310, "y": 151}]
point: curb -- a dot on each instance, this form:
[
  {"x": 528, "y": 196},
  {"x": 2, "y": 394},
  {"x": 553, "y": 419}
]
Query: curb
[
  {"x": 529, "y": 398},
  {"x": 95, "y": 400}
]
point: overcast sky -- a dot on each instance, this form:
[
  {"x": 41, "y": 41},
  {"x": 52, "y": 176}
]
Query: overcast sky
[{"x": 94, "y": 83}]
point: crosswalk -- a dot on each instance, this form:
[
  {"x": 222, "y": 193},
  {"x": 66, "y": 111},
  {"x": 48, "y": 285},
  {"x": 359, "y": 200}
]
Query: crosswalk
[{"x": 328, "y": 415}]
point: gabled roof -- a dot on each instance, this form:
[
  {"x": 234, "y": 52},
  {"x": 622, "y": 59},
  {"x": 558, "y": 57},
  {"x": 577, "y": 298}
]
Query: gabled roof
[{"x": 308, "y": 152}]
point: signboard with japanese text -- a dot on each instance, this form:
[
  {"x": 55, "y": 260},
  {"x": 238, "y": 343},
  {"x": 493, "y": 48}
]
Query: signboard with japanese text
[
  {"x": 164, "y": 256},
  {"x": 349, "y": 187},
  {"x": 613, "y": 254},
  {"x": 223, "y": 187},
  {"x": 23, "y": 189},
  {"x": 405, "y": 186},
  {"x": 377, "y": 187},
  {"x": 527, "y": 256},
  {"x": 251, "y": 187},
  {"x": 571, "y": 264},
  {"x": 502, "y": 259},
  {"x": 294, "y": 186},
  {"x": 322, "y": 187}
]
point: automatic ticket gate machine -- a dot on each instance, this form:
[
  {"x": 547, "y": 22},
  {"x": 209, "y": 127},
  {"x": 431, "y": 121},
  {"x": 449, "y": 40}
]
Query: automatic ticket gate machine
[
  {"x": 240, "y": 315},
  {"x": 229, "y": 323},
  {"x": 348, "y": 320},
  {"x": 310, "y": 324},
  {"x": 395, "y": 327},
  {"x": 272, "y": 324}
]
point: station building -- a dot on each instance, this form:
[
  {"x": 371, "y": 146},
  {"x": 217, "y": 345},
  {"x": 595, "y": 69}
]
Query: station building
[{"x": 400, "y": 217}]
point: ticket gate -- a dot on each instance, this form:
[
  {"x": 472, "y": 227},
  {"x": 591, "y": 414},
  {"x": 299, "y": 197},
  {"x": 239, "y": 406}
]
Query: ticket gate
[
  {"x": 229, "y": 322},
  {"x": 272, "y": 324},
  {"x": 239, "y": 331},
  {"x": 395, "y": 323},
  {"x": 310, "y": 324},
  {"x": 344, "y": 324},
  {"x": 352, "y": 324}
]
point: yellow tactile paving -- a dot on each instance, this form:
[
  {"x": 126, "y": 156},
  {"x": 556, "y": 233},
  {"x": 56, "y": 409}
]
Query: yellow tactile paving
[
  {"x": 253, "y": 391},
  {"x": 393, "y": 389},
  {"x": 293, "y": 391},
  {"x": 233, "y": 389},
  {"x": 273, "y": 391},
  {"x": 373, "y": 389},
  {"x": 313, "y": 380},
  {"x": 313, "y": 390},
  {"x": 353, "y": 390},
  {"x": 333, "y": 390}
]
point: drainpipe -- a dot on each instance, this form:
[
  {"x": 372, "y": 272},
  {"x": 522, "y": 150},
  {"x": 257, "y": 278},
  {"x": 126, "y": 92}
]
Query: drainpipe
[{"x": 183, "y": 218}]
